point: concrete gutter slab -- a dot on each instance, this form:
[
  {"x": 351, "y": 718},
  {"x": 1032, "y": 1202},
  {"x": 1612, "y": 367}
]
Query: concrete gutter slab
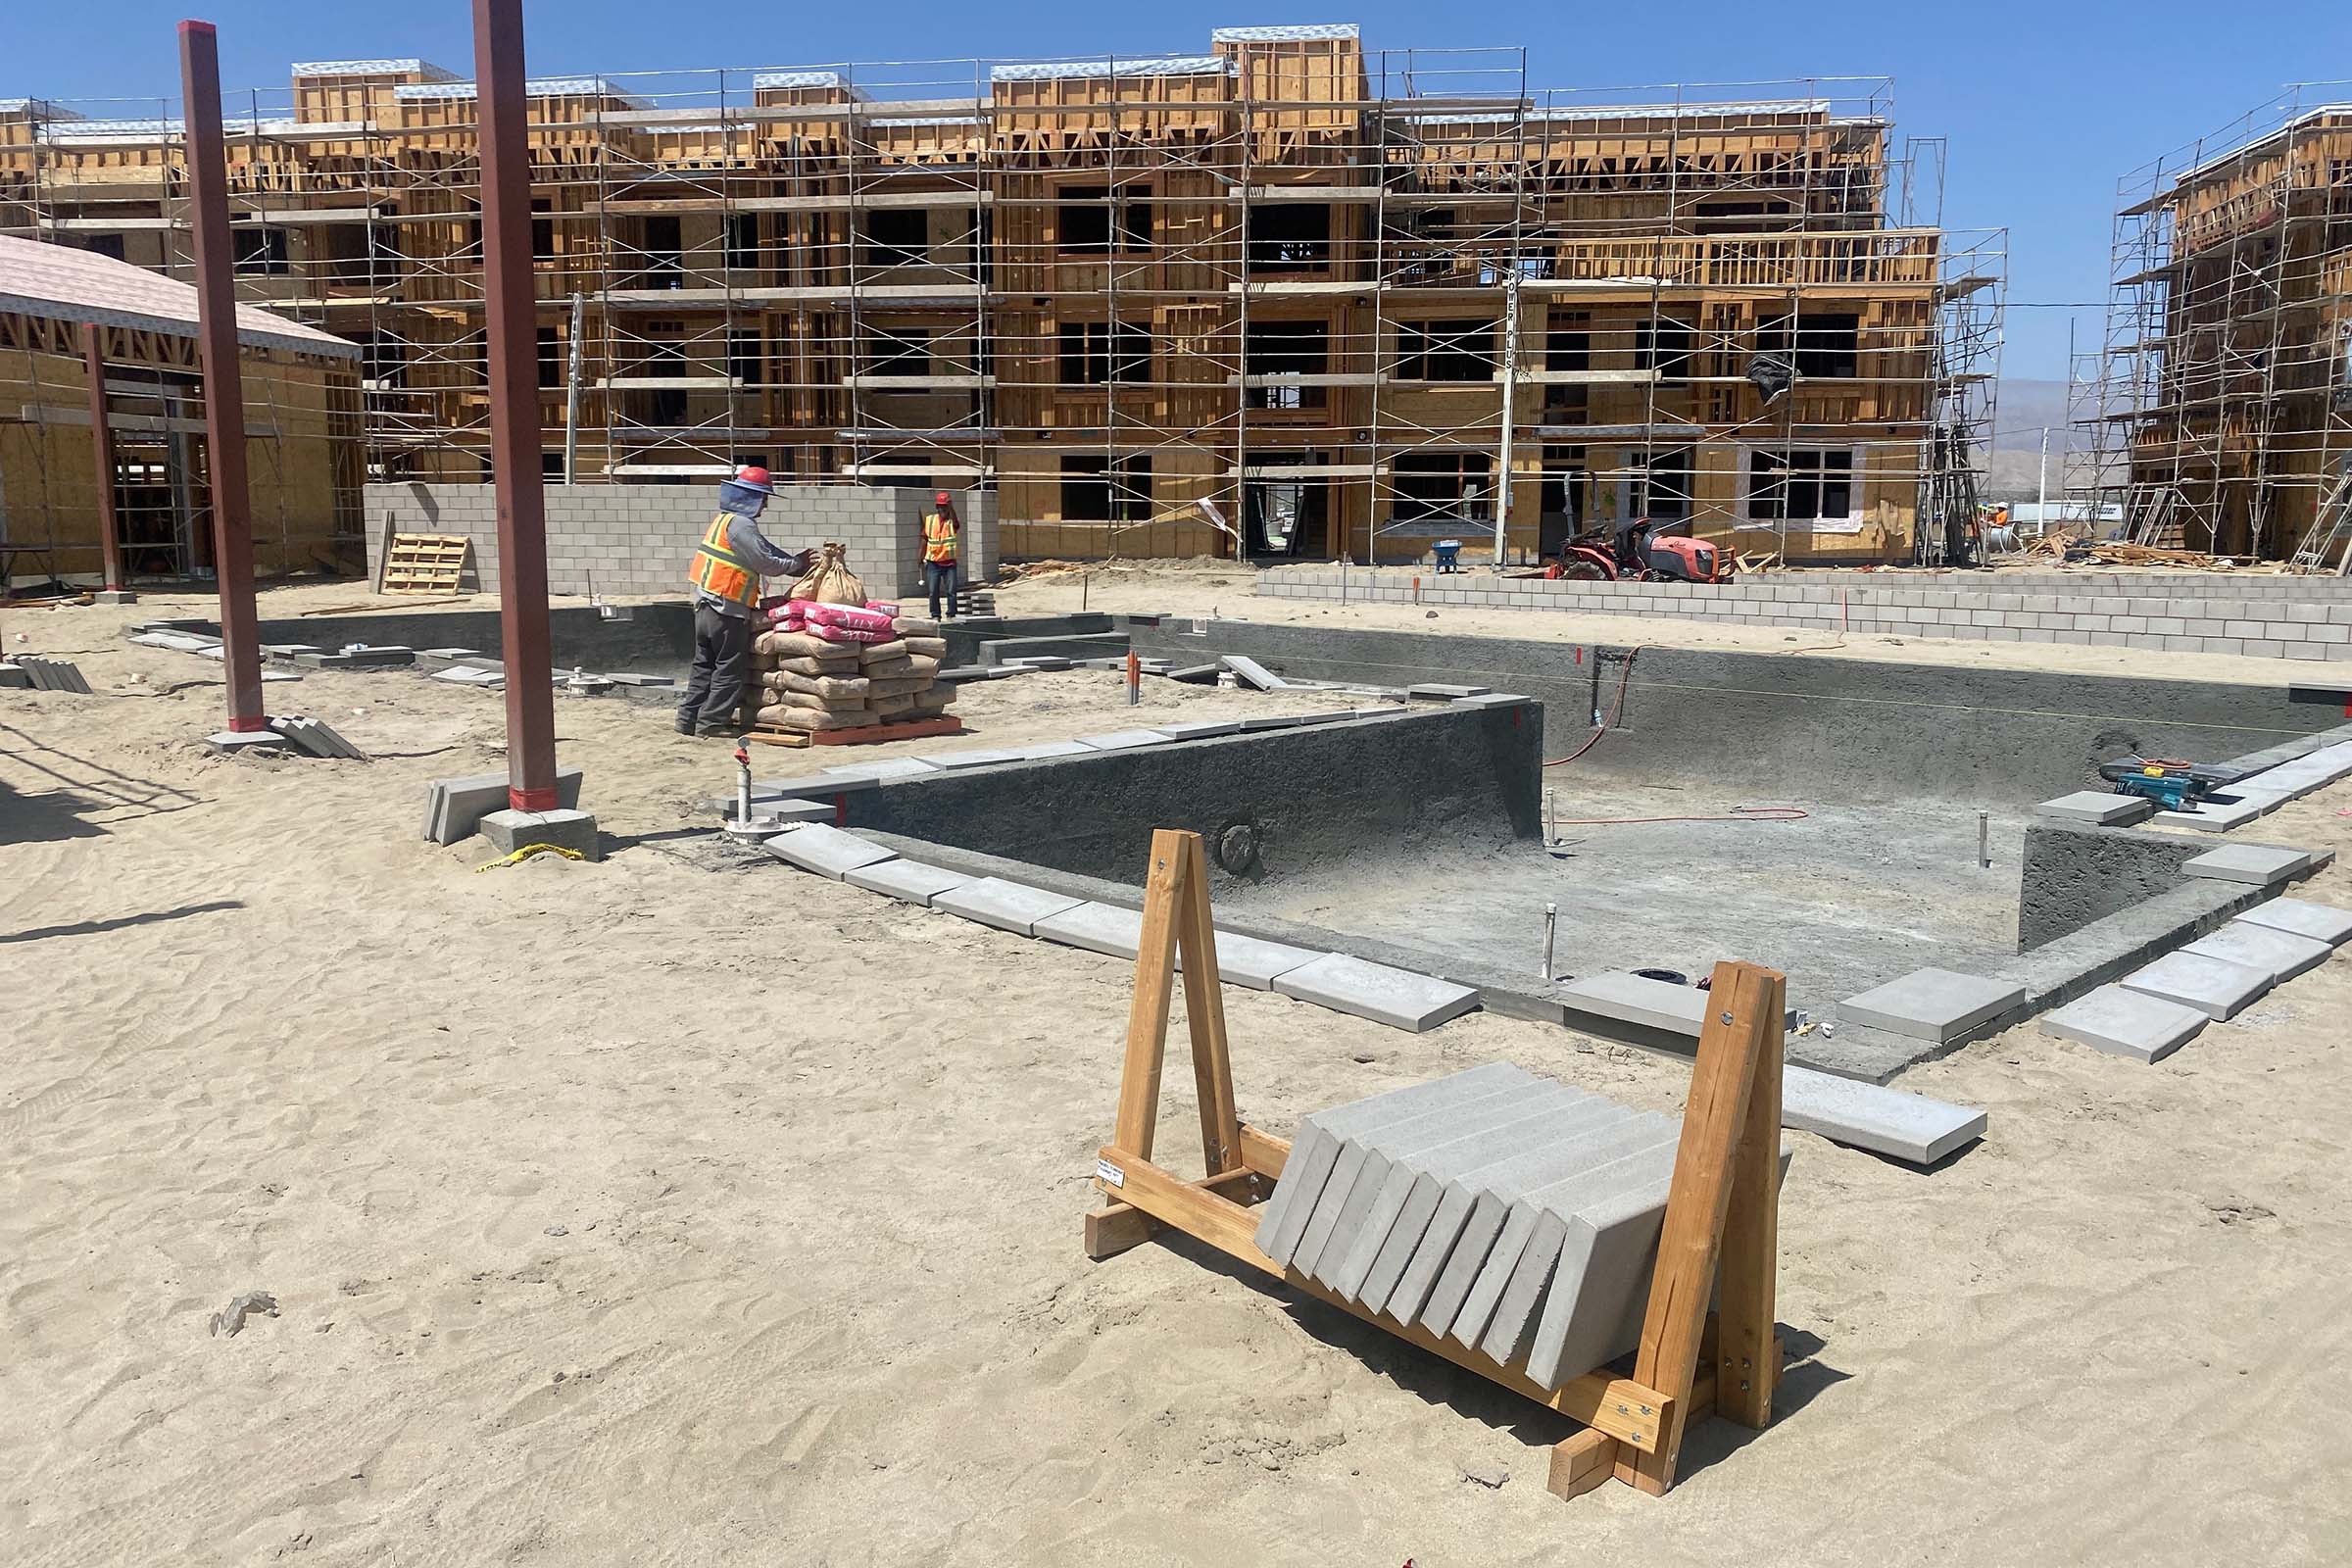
[
  {"x": 2126, "y": 1023},
  {"x": 2319, "y": 921},
  {"x": 2258, "y": 864},
  {"x": 2215, "y": 986},
  {"x": 911, "y": 881},
  {"x": 1103, "y": 928},
  {"x": 1395, "y": 996},
  {"x": 2281, "y": 954},
  {"x": 1894, "y": 1122},
  {"x": 827, "y": 850},
  {"x": 1933, "y": 1005},
  {"x": 2100, "y": 807},
  {"x": 1006, "y": 905}
]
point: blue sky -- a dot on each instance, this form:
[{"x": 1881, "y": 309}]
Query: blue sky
[{"x": 2045, "y": 104}]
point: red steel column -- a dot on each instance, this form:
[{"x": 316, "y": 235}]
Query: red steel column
[
  {"x": 512, "y": 325},
  {"x": 223, "y": 382},
  {"x": 102, "y": 444}
]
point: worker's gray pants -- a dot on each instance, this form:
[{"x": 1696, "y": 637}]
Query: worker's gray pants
[{"x": 722, "y": 653}]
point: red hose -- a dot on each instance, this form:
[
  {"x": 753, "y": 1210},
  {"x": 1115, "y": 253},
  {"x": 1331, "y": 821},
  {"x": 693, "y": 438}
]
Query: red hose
[{"x": 1615, "y": 707}]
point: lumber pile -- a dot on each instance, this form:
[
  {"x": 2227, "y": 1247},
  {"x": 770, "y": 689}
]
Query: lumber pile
[
  {"x": 829, "y": 668},
  {"x": 2068, "y": 551}
]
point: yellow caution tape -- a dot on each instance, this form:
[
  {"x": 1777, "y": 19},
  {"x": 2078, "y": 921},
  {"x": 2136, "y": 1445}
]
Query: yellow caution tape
[{"x": 526, "y": 852}]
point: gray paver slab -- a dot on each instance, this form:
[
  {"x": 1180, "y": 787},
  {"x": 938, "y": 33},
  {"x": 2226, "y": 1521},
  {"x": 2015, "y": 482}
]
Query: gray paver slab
[
  {"x": 1120, "y": 740},
  {"x": 1930, "y": 1003},
  {"x": 911, "y": 880},
  {"x": 2215, "y": 986},
  {"x": 2100, "y": 807},
  {"x": 977, "y": 756},
  {"x": 825, "y": 850},
  {"x": 1583, "y": 1246},
  {"x": 1252, "y": 672},
  {"x": 2259, "y": 864},
  {"x": 1273, "y": 722},
  {"x": 1006, "y": 905},
  {"x": 1374, "y": 990},
  {"x": 1096, "y": 927},
  {"x": 1494, "y": 700},
  {"x": 1631, "y": 998},
  {"x": 884, "y": 769},
  {"x": 1045, "y": 749},
  {"x": 1438, "y": 691},
  {"x": 1283, "y": 1217},
  {"x": 2213, "y": 817},
  {"x": 1255, "y": 963},
  {"x": 2126, "y": 1023},
  {"x": 1200, "y": 728},
  {"x": 1894, "y": 1122},
  {"x": 2282, "y": 955},
  {"x": 2321, "y": 922}
]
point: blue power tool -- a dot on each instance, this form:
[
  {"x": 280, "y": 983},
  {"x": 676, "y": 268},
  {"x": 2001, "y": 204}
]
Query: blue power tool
[{"x": 2175, "y": 784}]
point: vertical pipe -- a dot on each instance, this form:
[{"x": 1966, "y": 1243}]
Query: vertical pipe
[
  {"x": 2041, "y": 509},
  {"x": 572, "y": 392},
  {"x": 515, "y": 404},
  {"x": 102, "y": 447},
  {"x": 206, "y": 159},
  {"x": 1983, "y": 839},
  {"x": 1551, "y": 923}
]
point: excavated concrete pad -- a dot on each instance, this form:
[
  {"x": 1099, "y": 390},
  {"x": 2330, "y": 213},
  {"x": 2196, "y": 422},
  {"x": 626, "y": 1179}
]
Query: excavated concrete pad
[
  {"x": 2319, "y": 921},
  {"x": 825, "y": 850},
  {"x": 1006, "y": 905},
  {"x": 1096, "y": 927},
  {"x": 1374, "y": 990},
  {"x": 2126, "y": 1023},
  {"x": 1935, "y": 1004},
  {"x": 2281, "y": 954},
  {"x": 2215, "y": 986},
  {"x": 1894, "y": 1122},
  {"x": 911, "y": 881},
  {"x": 2101, "y": 807},
  {"x": 2258, "y": 864}
]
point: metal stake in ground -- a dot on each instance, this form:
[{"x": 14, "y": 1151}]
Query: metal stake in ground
[
  {"x": 223, "y": 382},
  {"x": 514, "y": 343}
]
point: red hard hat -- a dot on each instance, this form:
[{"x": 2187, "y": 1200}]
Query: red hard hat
[
  {"x": 754, "y": 477},
  {"x": 942, "y": 498}
]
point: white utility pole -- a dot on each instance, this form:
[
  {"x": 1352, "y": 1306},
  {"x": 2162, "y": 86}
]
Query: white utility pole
[
  {"x": 1510, "y": 387},
  {"x": 572, "y": 396}
]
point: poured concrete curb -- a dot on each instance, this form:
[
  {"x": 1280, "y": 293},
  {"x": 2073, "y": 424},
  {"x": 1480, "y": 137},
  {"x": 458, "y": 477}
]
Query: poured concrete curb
[
  {"x": 1395, "y": 996},
  {"x": 2124, "y": 1022}
]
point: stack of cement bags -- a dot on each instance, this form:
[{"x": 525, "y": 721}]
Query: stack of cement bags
[
  {"x": 837, "y": 666},
  {"x": 1511, "y": 1213}
]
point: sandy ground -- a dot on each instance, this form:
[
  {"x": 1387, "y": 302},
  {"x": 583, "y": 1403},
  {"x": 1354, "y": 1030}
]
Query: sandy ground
[{"x": 676, "y": 1211}]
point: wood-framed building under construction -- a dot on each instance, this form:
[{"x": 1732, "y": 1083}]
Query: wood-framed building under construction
[
  {"x": 1281, "y": 298},
  {"x": 2219, "y": 403}
]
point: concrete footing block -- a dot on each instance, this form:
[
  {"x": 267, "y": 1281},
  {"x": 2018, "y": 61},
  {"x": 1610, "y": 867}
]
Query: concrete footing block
[
  {"x": 2281, "y": 954},
  {"x": 1934, "y": 1005},
  {"x": 511, "y": 831},
  {"x": 1007, "y": 906},
  {"x": 2215, "y": 986},
  {"x": 912, "y": 881},
  {"x": 1374, "y": 990},
  {"x": 2126, "y": 1023},
  {"x": 2259, "y": 864},
  {"x": 825, "y": 850},
  {"x": 2319, "y": 921},
  {"x": 2101, "y": 807}
]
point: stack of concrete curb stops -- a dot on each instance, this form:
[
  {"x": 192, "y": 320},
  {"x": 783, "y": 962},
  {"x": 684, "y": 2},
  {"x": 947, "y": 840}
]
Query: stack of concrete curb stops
[
  {"x": 26, "y": 673},
  {"x": 1507, "y": 1213}
]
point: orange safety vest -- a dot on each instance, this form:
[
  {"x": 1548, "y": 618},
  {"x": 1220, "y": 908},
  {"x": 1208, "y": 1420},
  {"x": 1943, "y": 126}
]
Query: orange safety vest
[
  {"x": 718, "y": 570},
  {"x": 938, "y": 536}
]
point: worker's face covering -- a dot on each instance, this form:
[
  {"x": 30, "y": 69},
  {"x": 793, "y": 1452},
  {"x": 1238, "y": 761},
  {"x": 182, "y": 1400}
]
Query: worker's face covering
[{"x": 741, "y": 500}]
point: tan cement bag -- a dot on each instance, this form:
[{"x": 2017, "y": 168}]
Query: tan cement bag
[
  {"x": 833, "y": 688},
  {"x": 915, "y": 626},
  {"x": 925, "y": 664},
  {"x": 799, "y": 645},
  {"x": 893, "y": 706},
  {"x": 830, "y": 582},
  {"x": 909, "y": 686},
  {"x": 880, "y": 653},
  {"x": 815, "y": 667},
  {"x": 896, "y": 670},
  {"x": 795, "y": 717},
  {"x": 933, "y": 646}
]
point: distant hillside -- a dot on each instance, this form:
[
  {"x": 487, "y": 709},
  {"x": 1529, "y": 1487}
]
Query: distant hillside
[{"x": 2026, "y": 406}]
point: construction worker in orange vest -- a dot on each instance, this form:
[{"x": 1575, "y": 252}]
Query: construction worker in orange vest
[
  {"x": 728, "y": 564},
  {"x": 939, "y": 554}
]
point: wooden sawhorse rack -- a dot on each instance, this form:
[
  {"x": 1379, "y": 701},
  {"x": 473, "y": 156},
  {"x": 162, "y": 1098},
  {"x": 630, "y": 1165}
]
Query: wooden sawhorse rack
[{"x": 1721, "y": 1232}]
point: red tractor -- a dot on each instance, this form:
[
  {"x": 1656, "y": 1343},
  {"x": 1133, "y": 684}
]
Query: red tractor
[{"x": 1643, "y": 551}]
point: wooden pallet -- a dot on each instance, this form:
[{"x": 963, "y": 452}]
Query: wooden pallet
[
  {"x": 916, "y": 729},
  {"x": 1721, "y": 1231},
  {"x": 425, "y": 562}
]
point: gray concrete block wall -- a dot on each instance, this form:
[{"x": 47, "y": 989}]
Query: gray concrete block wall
[
  {"x": 2299, "y": 618},
  {"x": 638, "y": 538}
]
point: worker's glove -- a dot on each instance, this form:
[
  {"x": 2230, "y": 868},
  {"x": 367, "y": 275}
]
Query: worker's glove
[{"x": 800, "y": 561}]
